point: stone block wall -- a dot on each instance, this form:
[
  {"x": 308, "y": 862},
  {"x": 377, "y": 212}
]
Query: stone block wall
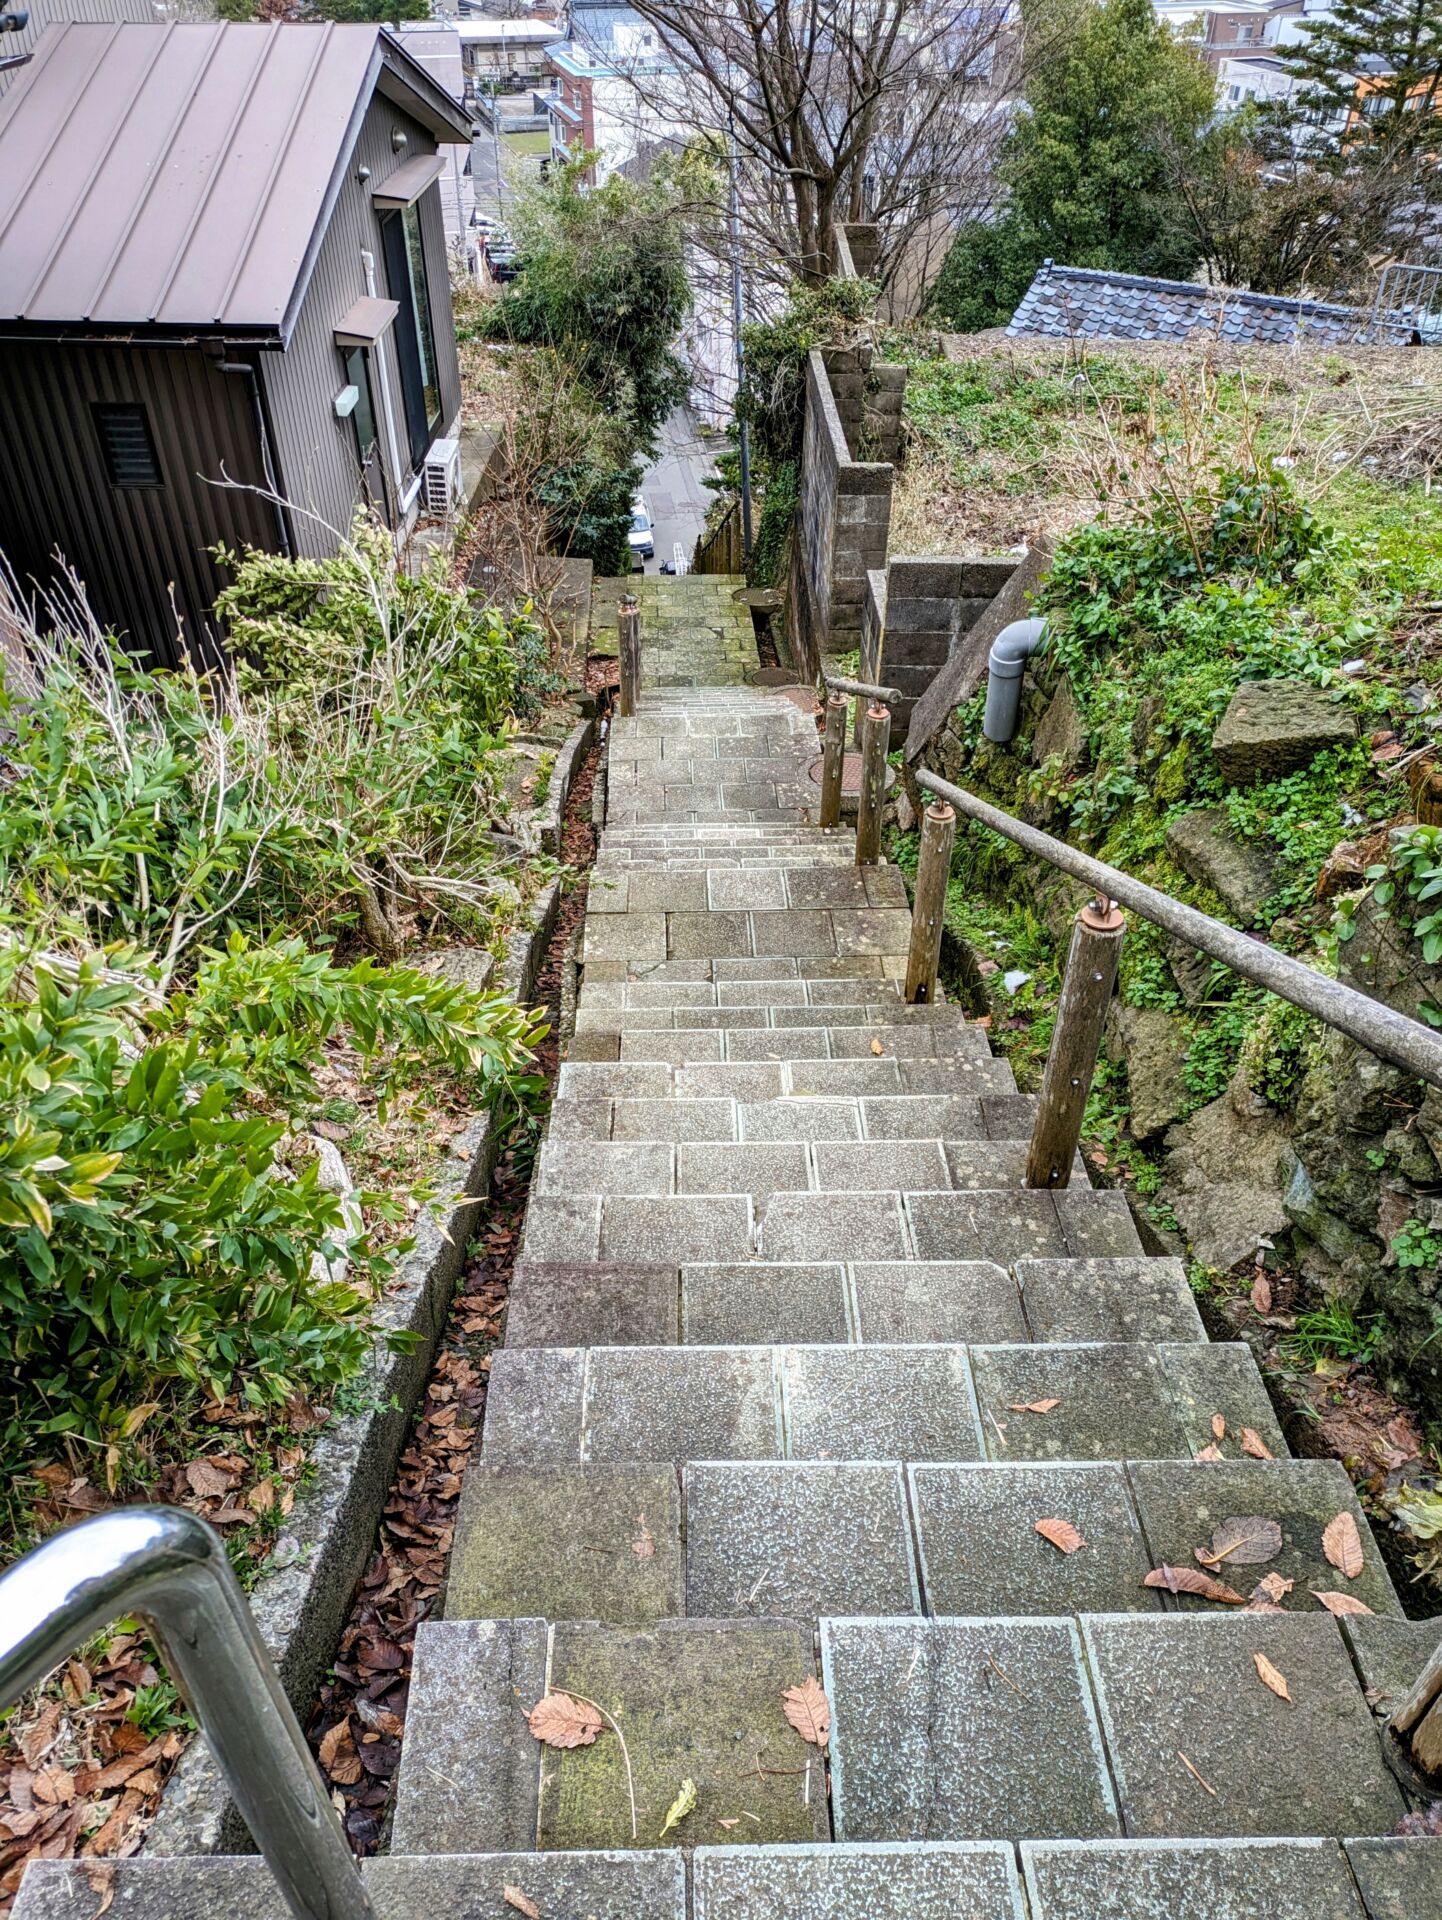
[
  {"x": 915, "y": 613},
  {"x": 842, "y": 525}
]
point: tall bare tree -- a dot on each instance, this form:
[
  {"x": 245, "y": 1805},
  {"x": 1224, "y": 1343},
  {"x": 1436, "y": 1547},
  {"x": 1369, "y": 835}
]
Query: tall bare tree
[{"x": 843, "y": 109}]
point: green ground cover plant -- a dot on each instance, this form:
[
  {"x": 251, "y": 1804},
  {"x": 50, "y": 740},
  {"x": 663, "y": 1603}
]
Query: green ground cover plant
[{"x": 211, "y": 888}]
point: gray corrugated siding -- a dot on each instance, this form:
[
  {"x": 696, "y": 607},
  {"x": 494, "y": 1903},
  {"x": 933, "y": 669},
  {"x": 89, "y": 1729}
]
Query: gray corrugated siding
[
  {"x": 315, "y": 452},
  {"x": 131, "y": 548}
]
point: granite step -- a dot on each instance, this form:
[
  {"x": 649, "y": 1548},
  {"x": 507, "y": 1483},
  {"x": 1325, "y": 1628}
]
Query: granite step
[
  {"x": 820, "y": 933},
  {"x": 634, "y": 1544},
  {"x": 765, "y": 967},
  {"x": 901, "y": 1116},
  {"x": 764, "y": 1168},
  {"x": 936, "y": 1401},
  {"x": 784, "y": 992},
  {"x": 907, "y": 1302},
  {"x": 1309, "y": 1879},
  {"x": 1040, "y": 1728},
  {"x": 884, "y": 1009},
  {"x": 830, "y": 1224},
  {"x": 865, "y": 1077},
  {"x": 777, "y": 888}
]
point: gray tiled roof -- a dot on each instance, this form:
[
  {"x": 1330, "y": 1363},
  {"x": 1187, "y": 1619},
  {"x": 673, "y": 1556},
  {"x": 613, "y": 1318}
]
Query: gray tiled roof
[{"x": 1069, "y": 302}]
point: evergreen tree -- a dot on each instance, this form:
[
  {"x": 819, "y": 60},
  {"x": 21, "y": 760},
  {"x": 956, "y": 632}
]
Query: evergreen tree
[
  {"x": 1087, "y": 184},
  {"x": 1383, "y": 57}
]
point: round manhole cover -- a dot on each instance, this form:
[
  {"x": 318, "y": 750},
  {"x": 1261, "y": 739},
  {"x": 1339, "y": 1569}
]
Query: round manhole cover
[
  {"x": 773, "y": 677},
  {"x": 850, "y": 772}
]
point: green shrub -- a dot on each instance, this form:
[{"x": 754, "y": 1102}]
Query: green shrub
[
  {"x": 773, "y": 395},
  {"x": 162, "y": 1226}
]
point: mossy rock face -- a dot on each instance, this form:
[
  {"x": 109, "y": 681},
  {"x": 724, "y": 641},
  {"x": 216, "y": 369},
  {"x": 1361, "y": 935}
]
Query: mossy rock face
[{"x": 695, "y": 1700}]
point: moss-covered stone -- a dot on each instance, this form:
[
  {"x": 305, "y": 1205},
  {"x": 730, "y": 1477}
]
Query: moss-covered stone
[{"x": 695, "y": 1700}]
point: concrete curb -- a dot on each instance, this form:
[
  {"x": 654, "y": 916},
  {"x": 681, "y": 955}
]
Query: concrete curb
[
  {"x": 568, "y": 760},
  {"x": 302, "y": 1600}
]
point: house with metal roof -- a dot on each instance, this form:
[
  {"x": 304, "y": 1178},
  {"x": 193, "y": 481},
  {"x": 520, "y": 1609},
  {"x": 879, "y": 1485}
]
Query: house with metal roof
[{"x": 225, "y": 310}]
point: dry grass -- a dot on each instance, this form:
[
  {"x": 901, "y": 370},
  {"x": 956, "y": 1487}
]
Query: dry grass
[{"x": 1120, "y": 422}]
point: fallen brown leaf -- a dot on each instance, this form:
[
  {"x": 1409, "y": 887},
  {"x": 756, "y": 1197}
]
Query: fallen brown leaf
[
  {"x": 644, "y": 1545},
  {"x": 808, "y": 1710},
  {"x": 1262, "y": 1294},
  {"x": 209, "y": 1480},
  {"x": 1031, "y": 1406},
  {"x": 1255, "y": 1445},
  {"x": 1208, "y": 1453},
  {"x": 338, "y": 1755},
  {"x": 1271, "y": 1678},
  {"x": 560, "y": 1721},
  {"x": 1340, "y": 1602},
  {"x": 1188, "y": 1580},
  {"x": 518, "y": 1902},
  {"x": 728, "y": 1824},
  {"x": 1061, "y": 1533},
  {"x": 876, "y": 1047},
  {"x": 1219, "y": 1426},
  {"x": 1273, "y": 1586},
  {"x": 1342, "y": 1545},
  {"x": 1245, "y": 1541}
]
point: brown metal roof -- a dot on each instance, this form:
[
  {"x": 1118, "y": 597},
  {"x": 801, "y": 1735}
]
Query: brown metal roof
[{"x": 178, "y": 179}]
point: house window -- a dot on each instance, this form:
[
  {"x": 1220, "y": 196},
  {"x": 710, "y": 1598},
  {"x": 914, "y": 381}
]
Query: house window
[
  {"x": 415, "y": 337},
  {"x": 127, "y": 445}
]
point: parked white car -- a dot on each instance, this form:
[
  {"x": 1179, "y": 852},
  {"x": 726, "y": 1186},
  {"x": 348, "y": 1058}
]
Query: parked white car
[{"x": 643, "y": 534}]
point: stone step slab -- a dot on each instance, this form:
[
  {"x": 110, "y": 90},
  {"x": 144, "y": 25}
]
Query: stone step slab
[
  {"x": 772, "y": 1303},
  {"x": 963, "y": 1730},
  {"x": 804, "y": 1117},
  {"x": 883, "y": 1010},
  {"x": 821, "y": 934},
  {"x": 1185, "y": 1684},
  {"x": 1221, "y": 1879},
  {"x": 835, "y": 1402},
  {"x": 1180, "y": 1507},
  {"x": 857, "y": 1882},
  {"x": 463, "y": 1886},
  {"x": 697, "y": 1700},
  {"x": 632, "y": 1545},
  {"x": 846, "y": 966},
  {"x": 1357, "y": 1879},
  {"x": 776, "y": 888},
  {"x": 765, "y": 1168},
  {"x": 829, "y": 1225},
  {"x": 866, "y": 1041}
]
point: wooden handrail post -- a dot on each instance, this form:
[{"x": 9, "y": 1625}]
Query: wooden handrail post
[
  {"x": 833, "y": 760},
  {"x": 875, "y": 742},
  {"x": 1086, "y": 992},
  {"x": 628, "y": 633},
  {"x": 933, "y": 871},
  {"x": 1417, "y": 1723}
]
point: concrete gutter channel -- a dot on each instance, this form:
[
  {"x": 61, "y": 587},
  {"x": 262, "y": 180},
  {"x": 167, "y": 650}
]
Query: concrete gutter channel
[{"x": 303, "y": 1599}]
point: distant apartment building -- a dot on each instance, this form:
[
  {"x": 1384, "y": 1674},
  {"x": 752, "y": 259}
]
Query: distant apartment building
[{"x": 613, "y": 90}]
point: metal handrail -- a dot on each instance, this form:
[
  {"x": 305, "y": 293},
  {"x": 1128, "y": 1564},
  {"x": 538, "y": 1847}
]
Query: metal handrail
[
  {"x": 1381, "y": 1029},
  {"x": 170, "y": 1568},
  {"x": 838, "y": 683}
]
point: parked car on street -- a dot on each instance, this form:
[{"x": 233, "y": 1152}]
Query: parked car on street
[{"x": 643, "y": 534}]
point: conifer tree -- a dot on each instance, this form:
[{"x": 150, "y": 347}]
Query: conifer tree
[{"x": 1370, "y": 72}]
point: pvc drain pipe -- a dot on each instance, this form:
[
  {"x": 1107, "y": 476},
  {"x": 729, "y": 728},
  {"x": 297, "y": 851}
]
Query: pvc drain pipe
[{"x": 1005, "y": 665}]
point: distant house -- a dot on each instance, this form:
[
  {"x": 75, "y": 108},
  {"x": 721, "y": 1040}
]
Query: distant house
[
  {"x": 614, "y": 90},
  {"x": 224, "y": 304}
]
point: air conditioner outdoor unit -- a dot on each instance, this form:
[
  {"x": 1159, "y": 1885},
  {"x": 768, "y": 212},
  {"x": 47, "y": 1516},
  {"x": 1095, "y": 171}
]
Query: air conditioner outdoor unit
[{"x": 442, "y": 478}]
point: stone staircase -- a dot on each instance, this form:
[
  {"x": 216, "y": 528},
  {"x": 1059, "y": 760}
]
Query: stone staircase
[{"x": 793, "y": 1367}]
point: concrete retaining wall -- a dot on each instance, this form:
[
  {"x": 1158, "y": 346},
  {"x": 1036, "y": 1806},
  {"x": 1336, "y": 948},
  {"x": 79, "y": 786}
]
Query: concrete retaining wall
[
  {"x": 914, "y": 614},
  {"x": 842, "y": 524}
]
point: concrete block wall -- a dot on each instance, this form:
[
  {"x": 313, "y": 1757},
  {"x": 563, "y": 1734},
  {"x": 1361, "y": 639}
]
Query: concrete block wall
[
  {"x": 843, "y": 522},
  {"x": 914, "y": 614}
]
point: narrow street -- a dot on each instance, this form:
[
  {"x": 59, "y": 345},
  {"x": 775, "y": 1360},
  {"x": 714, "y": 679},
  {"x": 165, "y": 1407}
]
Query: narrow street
[{"x": 674, "y": 489}]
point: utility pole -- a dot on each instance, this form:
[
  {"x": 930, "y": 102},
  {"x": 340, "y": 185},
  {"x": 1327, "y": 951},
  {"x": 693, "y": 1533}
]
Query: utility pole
[{"x": 737, "y": 316}]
